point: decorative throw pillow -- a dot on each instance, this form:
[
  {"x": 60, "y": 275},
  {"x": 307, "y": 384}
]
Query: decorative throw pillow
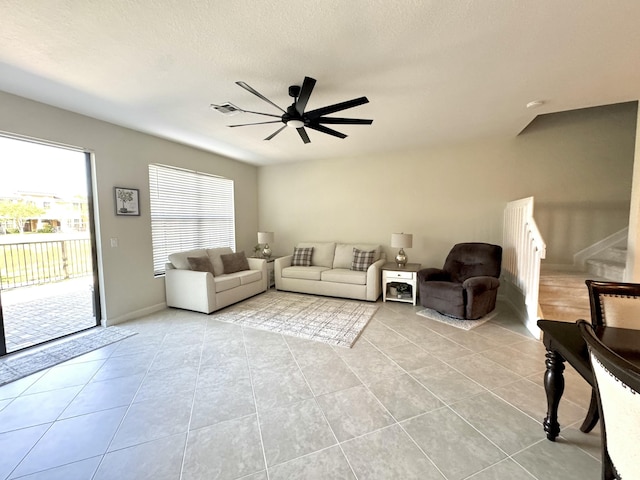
[
  {"x": 234, "y": 262},
  {"x": 200, "y": 264},
  {"x": 362, "y": 259},
  {"x": 302, "y": 257}
]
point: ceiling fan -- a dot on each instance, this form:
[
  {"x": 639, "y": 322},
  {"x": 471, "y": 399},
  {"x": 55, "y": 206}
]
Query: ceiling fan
[{"x": 295, "y": 116}]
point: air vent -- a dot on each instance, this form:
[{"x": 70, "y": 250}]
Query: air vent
[{"x": 227, "y": 108}]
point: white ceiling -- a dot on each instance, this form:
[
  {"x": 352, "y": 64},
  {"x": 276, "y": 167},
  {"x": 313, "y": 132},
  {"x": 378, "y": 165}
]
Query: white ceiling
[{"x": 435, "y": 72}]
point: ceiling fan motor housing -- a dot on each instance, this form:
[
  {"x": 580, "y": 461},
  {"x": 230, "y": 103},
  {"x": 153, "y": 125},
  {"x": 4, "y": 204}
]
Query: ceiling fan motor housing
[
  {"x": 295, "y": 115},
  {"x": 294, "y": 91}
]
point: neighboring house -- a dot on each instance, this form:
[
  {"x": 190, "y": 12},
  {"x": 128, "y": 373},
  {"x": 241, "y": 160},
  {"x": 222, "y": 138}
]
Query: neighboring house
[{"x": 62, "y": 214}]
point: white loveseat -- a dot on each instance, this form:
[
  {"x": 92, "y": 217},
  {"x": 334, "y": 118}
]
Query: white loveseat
[
  {"x": 203, "y": 291},
  {"x": 330, "y": 272}
]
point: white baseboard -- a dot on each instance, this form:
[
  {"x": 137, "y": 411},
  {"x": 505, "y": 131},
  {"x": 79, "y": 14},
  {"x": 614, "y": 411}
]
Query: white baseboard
[{"x": 133, "y": 315}]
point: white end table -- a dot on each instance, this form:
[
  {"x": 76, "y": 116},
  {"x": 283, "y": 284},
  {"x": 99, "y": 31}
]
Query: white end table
[
  {"x": 408, "y": 274},
  {"x": 271, "y": 274}
]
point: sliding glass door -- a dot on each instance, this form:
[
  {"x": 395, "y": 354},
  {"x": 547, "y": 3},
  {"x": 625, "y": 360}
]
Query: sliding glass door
[{"x": 48, "y": 279}]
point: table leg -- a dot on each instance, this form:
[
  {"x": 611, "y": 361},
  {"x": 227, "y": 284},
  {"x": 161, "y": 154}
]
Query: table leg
[{"x": 554, "y": 386}]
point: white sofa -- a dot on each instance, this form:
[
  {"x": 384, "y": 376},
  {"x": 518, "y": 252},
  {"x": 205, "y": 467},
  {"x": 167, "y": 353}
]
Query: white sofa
[
  {"x": 330, "y": 272},
  {"x": 207, "y": 292}
]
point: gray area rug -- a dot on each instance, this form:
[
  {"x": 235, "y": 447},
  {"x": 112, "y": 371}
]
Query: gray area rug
[
  {"x": 456, "y": 322},
  {"x": 14, "y": 367},
  {"x": 329, "y": 320}
]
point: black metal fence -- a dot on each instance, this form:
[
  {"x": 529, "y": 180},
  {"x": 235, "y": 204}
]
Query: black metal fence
[{"x": 35, "y": 263}]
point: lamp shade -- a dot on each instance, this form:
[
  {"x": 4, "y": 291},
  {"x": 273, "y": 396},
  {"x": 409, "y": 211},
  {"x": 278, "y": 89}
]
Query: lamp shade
[
  {"x": 401, "y": 240},
  {"x": 266, "y": 237}
]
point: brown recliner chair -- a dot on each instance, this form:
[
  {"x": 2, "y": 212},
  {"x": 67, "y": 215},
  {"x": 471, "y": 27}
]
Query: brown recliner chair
[{"x": 467, "y": 285}]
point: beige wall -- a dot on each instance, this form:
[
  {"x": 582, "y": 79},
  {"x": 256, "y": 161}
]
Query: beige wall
[
  {"x": 632, "y": 271},
  {"x": 578, "y": 166},
  {"x": 122, "y": 156}
]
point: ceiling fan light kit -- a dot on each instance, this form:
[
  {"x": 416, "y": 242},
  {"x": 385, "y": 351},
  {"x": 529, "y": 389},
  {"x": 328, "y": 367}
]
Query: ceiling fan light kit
[{"x": 295, "y": 116}]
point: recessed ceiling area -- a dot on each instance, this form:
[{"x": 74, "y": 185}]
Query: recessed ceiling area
[{"x": 435, "y": 73}]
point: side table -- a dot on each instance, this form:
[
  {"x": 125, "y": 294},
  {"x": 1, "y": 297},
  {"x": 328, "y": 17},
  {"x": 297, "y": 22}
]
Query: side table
[
  {"x": 407, "y": 275},
  {"x": 270, "y": 271}
]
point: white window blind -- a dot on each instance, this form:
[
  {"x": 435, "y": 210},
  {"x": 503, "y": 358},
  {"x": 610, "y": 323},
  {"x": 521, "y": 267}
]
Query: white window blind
[{"x": 189, "y": 210}]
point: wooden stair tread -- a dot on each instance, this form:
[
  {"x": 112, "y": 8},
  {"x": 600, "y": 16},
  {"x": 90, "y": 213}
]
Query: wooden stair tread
[{"x": 564, "y": 296}]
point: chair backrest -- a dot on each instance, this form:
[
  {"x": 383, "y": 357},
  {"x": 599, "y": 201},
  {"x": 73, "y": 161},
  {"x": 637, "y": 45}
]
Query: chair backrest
[
  {"x": 615, "y": 304},
  {"x": 466, "y": 260},
  {"x": 618, "y": 391}
]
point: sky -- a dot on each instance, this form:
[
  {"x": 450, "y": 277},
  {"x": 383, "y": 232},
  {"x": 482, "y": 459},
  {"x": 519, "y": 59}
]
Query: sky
[{"x": 32, "y": 167}]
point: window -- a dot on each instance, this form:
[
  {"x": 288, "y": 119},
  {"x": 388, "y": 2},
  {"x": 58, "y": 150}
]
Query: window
[{"x": 189, "y": 210}]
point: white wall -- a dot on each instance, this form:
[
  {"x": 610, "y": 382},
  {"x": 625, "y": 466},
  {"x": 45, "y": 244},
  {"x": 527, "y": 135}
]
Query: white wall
[
  {"x": 122, "y": 156},
  {"x": 568, "y": 162}
]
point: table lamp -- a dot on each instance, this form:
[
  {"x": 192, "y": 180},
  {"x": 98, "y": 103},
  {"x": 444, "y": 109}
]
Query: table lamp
[
  {"x": 266, "y": 238},
  {"x": 401, "y": 241}
]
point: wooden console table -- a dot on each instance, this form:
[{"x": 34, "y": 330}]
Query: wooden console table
[{"x": 564, "y": 342}]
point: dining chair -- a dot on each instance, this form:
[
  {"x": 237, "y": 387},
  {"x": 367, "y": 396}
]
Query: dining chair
[
  {"x": 617, "y": 386},
  {"x": 614, "y": 304}
]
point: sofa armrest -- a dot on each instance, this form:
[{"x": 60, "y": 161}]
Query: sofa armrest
[
  {"x": 260, "y": 264},
  {"x": 257, "y": 263},
  {"x": 433, "y": 275},
  {"x": 278, "y": 265},
  {"x": 480, "y": 284},
  {"x": 190, "y": 290},
  {"x": 374, "y": 278}
]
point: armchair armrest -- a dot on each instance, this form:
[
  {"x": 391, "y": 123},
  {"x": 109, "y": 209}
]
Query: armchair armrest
[
  {"x": 433, "y": 275},
  {"x": 481, "y": 284}
]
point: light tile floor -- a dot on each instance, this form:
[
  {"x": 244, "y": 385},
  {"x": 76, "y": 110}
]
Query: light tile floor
[{"x": 192, "y": 398}]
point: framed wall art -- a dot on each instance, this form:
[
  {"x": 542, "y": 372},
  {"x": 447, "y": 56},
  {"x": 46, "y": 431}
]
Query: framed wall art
[{"x": 127, "y": 202}]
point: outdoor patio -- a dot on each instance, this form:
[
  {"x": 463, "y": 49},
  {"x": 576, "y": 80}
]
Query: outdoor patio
[{"x": 36, "y": 314}]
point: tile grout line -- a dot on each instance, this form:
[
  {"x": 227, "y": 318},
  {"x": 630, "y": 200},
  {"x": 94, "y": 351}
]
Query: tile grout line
[
  {"x": 255, "y": 403},
  {"x": 322, "y": 411},
  {"x": 445, "y": 404}
]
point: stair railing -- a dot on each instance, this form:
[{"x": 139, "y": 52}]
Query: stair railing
[{"x": 523, "y": 250}]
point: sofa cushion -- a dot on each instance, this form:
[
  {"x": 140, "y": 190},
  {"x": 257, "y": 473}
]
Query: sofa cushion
[
  {"x": 226, "y": 282},
  {"x": 344, "y": 253},
  {"x": 302, "y": 256},
  {"x": 343, "y": 275},
  {"x": 216, "y": 261},
  {"x": 303, "y": 273},
  {"x": 362, "y": 259},
  {"x": 200, "y": 264},
  {"x": 323, "y": 253},
  {"x": 234, "y": 262},
  {"x": 179, "y": 259},
  {"x": 249, "y": 276}
]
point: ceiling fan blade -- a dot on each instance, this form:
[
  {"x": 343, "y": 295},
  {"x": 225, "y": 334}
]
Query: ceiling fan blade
[
  {"x": 276, "y": 132},
  {"x": 260, "y": 113},
  {"x": 324, "y": 129},
  {"x": 256, "y": 123},
  {"x": 305, "y": 93},
  {"x": 303, "y": 135},
  {"x": 313, "y": 114},
  {"x": 343, "y": 121},
  {"x": 258, "y": 94}
]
